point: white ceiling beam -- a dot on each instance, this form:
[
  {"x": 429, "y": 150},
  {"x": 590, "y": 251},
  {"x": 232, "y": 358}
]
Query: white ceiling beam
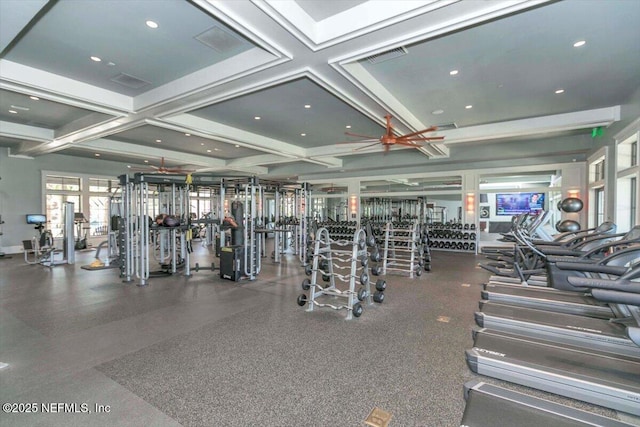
[
  {"x": 84, "y": 123},
  {"x": 145, "y": 152},
  {"x": 14, "y": 15},
  {"x": 63, "y": 89},
  {"x": 232, "y": 135},
  {"x": 30, "y": 133},
  {"x": 534, "y": 126}
]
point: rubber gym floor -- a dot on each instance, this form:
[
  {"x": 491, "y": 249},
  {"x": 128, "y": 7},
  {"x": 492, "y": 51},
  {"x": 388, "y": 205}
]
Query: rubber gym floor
[{"x": 202, "y": 351}]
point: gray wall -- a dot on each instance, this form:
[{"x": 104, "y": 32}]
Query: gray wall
[{"x": 21, "y": 192}]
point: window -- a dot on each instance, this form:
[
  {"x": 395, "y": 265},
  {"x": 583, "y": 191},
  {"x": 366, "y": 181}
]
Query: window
[
  {"x": 599, "y": 206},
  {"x": 100, "y": 191},
  {"x": 632, "y": 197},
  {"x": 59, "y": 190},
  {"x": 599, "y": 170}
]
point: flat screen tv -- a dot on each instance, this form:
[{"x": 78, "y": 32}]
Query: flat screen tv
[
  {"x": 519, "y": 203},
  {"x": 36, "y": 218}
]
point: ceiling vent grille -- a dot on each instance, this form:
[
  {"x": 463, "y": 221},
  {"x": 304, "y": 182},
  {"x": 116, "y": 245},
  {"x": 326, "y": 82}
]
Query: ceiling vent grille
[
  {"x": 388, "y": 55},
  {"x": 447, "y": 126},
  {"x": 219, "y": 40},
  {"x": 130, "y": 81}
]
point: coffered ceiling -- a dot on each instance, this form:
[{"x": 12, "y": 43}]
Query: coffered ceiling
[{"x": 269, "y": 87}]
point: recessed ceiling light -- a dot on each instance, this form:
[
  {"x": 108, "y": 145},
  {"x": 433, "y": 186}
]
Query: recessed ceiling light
[
  {"x": 146, "y": 161},
  {"x": 307, "y": 106},
  {"x": 151, "y": 24},
  {"x": 237, "y": 145},
  {"x": 13, "y": 111},
  {"x": 158, "y": 140},
  {"x": 468, "y": 107},
  {"x": 187, "y": 134},
  {"x": 19, "y": 107},
  {"x": 129, "y": 166},
  {"x": 303, "y": 134},
  {"x": 208, "y": 151},
  {"x": 453, "y": 72},
  {"x": 436, "y": 112},
  {"x": 579, "y": 43},
  {"x": 560, "y": 91},
  {"x": 257, "y": 118},
  {"x": 95, "y": 59},
  {"x": 111, "y": 64},
  {"x": 348, "y": 126},
  {"x": 97, "y": 154},
  {"x": 216, "y": 149},
  {"x": 35, "y": 98},
  {"x": 202, "y": 143}
]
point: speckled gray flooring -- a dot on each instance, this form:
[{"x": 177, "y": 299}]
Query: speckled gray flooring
[{"x": 202, "y": 351}]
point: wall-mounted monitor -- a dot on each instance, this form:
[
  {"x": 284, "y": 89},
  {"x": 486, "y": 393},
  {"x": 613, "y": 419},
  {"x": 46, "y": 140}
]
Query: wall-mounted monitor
[
  {"x": 36, "y": 218},
  {"x": 519, "y": 203}
]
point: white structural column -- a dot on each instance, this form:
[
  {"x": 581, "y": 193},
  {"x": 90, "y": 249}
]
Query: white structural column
[
  {"x": 574, "y": 184},
  {"x": 470, "y": 197}
]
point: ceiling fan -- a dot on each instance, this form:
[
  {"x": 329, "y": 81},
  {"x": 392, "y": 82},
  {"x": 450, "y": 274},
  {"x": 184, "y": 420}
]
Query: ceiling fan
[
  {"x": 388, "y": 139},
  {"x": 163, "y": 169}
]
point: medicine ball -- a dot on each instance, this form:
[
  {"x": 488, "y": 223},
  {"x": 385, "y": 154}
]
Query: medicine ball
[
  {"x": 571, "y": 204},
  {"x": 568, "y": 225}
]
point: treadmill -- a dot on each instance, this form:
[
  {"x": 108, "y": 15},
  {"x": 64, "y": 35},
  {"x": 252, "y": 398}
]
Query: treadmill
[
  {"x": 489, "y": 405},
  {"x": 580, "y": 303},
  {"x": 590, "y": 375},
  {"x": 572, "y": 299},
  {"x": 608, "y": 335}
]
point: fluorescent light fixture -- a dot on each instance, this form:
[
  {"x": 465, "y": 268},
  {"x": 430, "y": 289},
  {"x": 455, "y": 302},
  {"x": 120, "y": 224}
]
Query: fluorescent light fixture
[
  {"x": 13, "y": 111},
  {"x": 35, "y": 98},
  {"x": 146, "y": 161},
  {"x": 468, "y": 107},
  {"x": 237, "y": 145},
  {"x": 187, "y": 134},
  {"x": 95, "y": 59},
  {"x": 257, "y": 118},
  {"x": 560, "y": 91},
  {"x": 348, "y": 126},
  {"x": 97, "y": 154},
  {"x": 579, "y": 43},
  {"x": 208, "y": 151},
  {"x": 307, "y": 106},
  {"x": 158, "y": 140},
  {"x": 303, "y": 134},
  {"x": 453, "y": 72}
]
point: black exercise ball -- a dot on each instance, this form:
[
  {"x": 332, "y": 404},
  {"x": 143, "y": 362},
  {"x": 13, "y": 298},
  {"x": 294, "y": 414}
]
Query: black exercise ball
[
  {"x": 568, "y": 225},
  {"x": 571, "y": 204}
]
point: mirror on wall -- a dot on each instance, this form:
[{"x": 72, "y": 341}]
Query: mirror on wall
[{"x": 400, "y": 199}]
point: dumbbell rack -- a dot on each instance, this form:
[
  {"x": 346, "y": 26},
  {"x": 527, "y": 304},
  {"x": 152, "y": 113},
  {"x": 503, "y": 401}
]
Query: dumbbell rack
[
  {"x": 403, "y": 249},
  {"x": 324, "y": 265},
  {"x": 456, "y": 237}
]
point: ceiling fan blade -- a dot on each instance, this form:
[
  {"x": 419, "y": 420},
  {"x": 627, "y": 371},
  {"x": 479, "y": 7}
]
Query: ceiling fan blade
[
  {"x": 426, "y": 138},
  {"x": 361, "y": 136},
  {"x": 366, "y": 146},
  {"x": 431, "y": 129}
]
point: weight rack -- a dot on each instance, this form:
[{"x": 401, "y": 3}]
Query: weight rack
[
  {"x": 403, "y": 249},
  {"x": 324, "y": 265}
]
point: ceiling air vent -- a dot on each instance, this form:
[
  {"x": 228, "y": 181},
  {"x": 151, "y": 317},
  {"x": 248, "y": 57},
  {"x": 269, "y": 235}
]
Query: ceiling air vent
[
  {"x": 447, "y": 126},
  {"x": 219, "y": 40},
  {"x": 130, "y": 81},
  {"x": 386, "y": 56}
]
